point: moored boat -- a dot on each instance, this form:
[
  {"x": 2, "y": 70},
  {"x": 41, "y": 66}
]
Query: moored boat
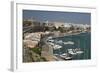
[
  {"x": 72, "y": 51},
  {"x": 66, "y": 56},
  {"x": 69, "y": 42},
  {"x": 56, "y": 47},
  {"x": 75, "y": 51}
]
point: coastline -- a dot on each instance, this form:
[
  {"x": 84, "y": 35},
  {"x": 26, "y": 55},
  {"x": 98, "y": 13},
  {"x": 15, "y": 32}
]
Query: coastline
[{"x": 66, "y": 34}]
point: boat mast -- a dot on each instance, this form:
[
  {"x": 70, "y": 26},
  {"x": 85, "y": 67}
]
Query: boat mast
[{"x": 78, "y": 44}]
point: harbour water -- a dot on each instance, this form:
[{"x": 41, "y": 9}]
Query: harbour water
[{"x": 82, "y": 41}]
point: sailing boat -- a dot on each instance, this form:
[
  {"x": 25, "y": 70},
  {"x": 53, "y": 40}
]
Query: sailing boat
[{"x": 78, "y": 50}]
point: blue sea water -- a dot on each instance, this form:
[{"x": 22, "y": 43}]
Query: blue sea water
[{"x": 82, "y": 41}]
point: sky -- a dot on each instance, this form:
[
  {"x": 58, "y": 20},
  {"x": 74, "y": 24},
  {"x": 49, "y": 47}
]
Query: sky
[{"x": 55, "y": 16}]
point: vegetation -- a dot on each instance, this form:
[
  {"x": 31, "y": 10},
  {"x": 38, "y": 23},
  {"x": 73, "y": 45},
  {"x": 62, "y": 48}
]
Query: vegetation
[
  {"x": 27, "y": 23},
  {"x": 46, "y": 28},
  {"x": 37, "y": 50},
  {"x": 44, "y": 59},
  {"x": 72, "y": 27},
  {"x": 61, "y": 29},
  {"x": 36, "y": 55}
]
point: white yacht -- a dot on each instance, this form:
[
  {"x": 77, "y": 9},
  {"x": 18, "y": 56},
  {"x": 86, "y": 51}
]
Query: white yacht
[
  {"x": 75, "y": 51},
  {"x": 50, "y": 43},
  {"x": 78, "y": 51},
  {"x": 65, "y": 56},
  {"x": 60, "y": 41},
  {"x": 50, "y": 37},
  {"x": 69, "y": 42},
  {"x": 57, "y": 47},
  {"x": 72, "y": 51},
  {"x": 50, "y": 40}
]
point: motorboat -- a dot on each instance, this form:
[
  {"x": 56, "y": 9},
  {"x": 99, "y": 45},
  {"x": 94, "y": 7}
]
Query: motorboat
[
  {"x": 78, "y": 51},
  {"x": 66, "y": 56},
  {"x": 56, "y": 54},
  {"x": 50, "y": 43},
  {"x": 60, "y": 41},
  {"x": 72, "y": 51},
  {"x": 57, "y": 47},
  {"x": 75, "y": 51},
  {"x": 69, "y": 42},
  {"x": 50, "y": 40},
  {"x": 50, "y": 37}
]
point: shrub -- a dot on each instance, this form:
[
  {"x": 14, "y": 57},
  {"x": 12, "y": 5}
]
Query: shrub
[
  {"x": 37, "y": 50},
  {"x": 44, "y": 59}
]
